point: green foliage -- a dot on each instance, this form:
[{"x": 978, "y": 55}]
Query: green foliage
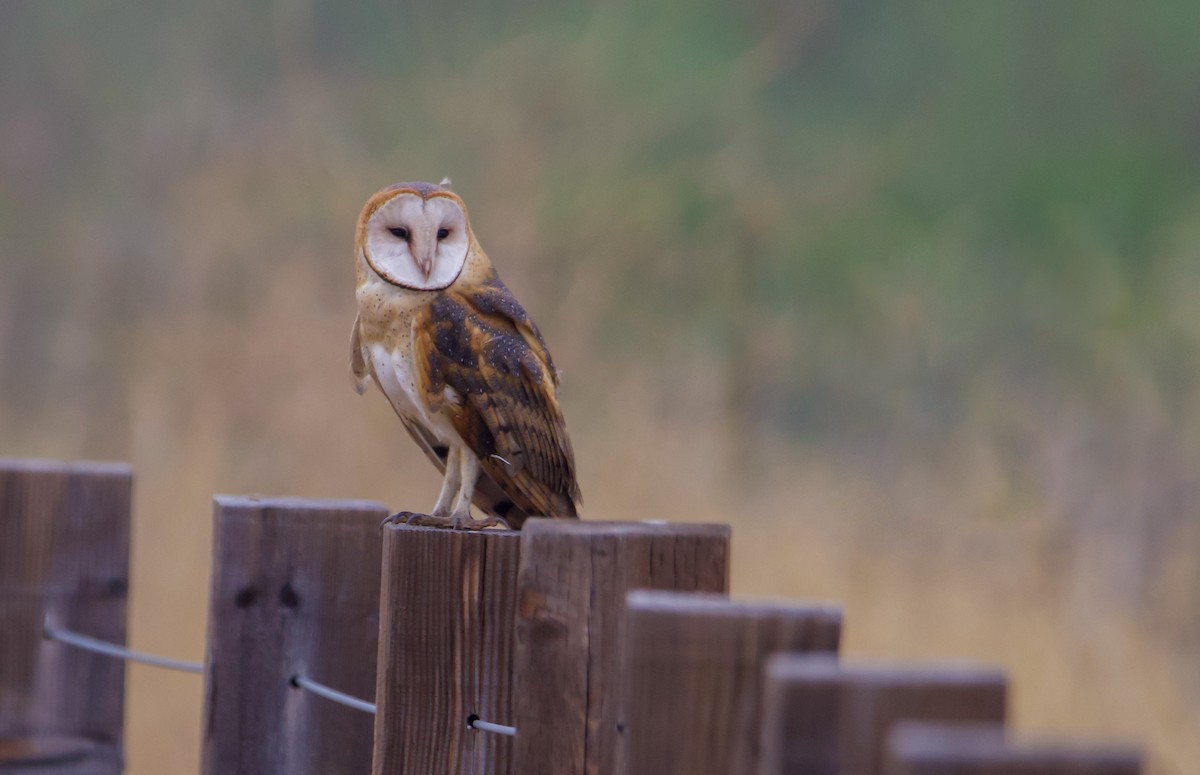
[{"x": 918, "y": 197}]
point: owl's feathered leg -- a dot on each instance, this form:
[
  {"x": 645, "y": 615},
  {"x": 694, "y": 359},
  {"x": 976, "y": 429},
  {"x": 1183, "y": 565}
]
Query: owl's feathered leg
[
  {"x": 443, "y": 513},
  {"x": 451, "y": 485},
  {"x": 462, "y": 504},
  {"x": 453, "y": 507},
  {"x": 468, "y": 476}
]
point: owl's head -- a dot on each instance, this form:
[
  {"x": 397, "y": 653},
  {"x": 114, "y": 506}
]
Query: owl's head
[{"x": 415, "y": 235}]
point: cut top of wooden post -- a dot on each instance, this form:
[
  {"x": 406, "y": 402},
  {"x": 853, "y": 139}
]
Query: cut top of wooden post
[
  {"x": 64, "y": 557},
  {"x": 65, "y": 528},
  {"x": 666, "y": 556},
  {"x": 699, "y": 626},
  {"x": 916, "y": 748},
  {"x": 822, "y": 716},
  {"x": 694, "y": 676},
  {"x": 571, "y": 590}
]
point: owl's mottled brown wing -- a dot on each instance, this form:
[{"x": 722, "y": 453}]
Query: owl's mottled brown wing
[{"x": 484, "y": 365}]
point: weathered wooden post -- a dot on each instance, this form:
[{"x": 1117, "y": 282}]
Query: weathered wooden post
[
  {"x": 295, "y": 592},
  {"x": 64, "y": 558},
  {"x": 570, "y": 619},
  {"x": 955, "y": 749},
  {"x": 445, "y": 650},
  {"x": 694, "y": 677},
  {"x": 820, "y": 716}
]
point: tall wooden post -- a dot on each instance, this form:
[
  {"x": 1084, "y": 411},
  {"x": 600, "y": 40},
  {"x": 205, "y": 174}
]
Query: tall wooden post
[
  {"x": 64, "y": 557},
  {"x": 821, "y": 716},
  {"x": 693, "y": 683},
  {"x": 570, "y": 620},
  {"x": 445, "y": 650},
  {"x": 295, "y": 591},
  {"x": 956, "y": 749}
]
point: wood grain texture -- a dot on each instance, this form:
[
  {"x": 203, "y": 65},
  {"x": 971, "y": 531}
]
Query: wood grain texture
[
  {"x": 295, "y": 590},
  {"x": 570, "y": 623},
  {"x": 952, "y": 749},
  {"x": 820, "y": 716},
  {"x": 64, "y": 554},
  {"x": 445, "y": 650},
  {"x": 694, "y": 676}
]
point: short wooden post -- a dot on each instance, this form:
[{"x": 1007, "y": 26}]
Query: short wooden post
[
  {"x": 445, "y": 650},
  {"x": 64, "y": 557},
  {"x": 820, "y": 716},
  {"x": 693, "y": 682},
  {"x": 955, "y": 749},
  {"x": 295, "y": 591},
  {"x": 570, "y": 619}
]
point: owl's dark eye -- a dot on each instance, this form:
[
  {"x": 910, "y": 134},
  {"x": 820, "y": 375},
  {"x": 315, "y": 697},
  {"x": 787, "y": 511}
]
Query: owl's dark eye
[
  {"x": 443, "y": 233},
  {"x": 400, "y": 232}
]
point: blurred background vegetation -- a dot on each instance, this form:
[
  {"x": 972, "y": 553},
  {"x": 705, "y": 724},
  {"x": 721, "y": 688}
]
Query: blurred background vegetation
[{"x": 907, "y": 292}]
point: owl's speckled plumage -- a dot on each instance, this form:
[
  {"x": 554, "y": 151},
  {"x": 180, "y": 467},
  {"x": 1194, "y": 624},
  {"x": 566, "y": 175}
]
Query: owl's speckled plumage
[{"x": 462, "y": 364}]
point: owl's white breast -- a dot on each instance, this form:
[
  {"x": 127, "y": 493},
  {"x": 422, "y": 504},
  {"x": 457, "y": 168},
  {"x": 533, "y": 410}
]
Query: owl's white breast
[
  {"x": 396, "y": 371},
  {"x": 396, "y": 374}
]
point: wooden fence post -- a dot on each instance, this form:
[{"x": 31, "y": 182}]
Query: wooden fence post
[
  {"x": 820, "y": 716},
  {"x": 295, "y": 591},
  {"x": 445, "y": 650},
  {"x": 694, "y": 676},
  {"x": 954, "y": 749},
  {"x": 64, "y": 557},
  {"x": 570, "y": 618}
]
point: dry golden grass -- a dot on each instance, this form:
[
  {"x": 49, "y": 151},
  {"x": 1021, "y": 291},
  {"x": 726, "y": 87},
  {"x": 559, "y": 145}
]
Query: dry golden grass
[{"x": 939, "y": 561}]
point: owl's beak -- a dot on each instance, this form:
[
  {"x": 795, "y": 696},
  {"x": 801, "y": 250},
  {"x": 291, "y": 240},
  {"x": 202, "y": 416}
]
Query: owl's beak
[{"x": 425, "y": 264}]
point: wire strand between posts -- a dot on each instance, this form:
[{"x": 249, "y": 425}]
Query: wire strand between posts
[
  {"x": 97, "y": 646},
  {"x": 88, "y": 643},
  {"x": 300, "y": 682}
]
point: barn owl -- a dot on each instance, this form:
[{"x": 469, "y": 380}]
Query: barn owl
[{"x": 460, "y": 362}]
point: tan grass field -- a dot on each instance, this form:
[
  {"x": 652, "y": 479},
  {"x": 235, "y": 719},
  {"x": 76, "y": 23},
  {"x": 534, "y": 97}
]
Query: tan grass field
[{"x": 940, "y": 562}]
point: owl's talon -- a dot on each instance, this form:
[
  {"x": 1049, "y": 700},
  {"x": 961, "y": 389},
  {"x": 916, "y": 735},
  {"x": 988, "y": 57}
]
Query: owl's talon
[
  {"x": 486, "y": 522},
  {"x": 397, "y": 518},
  {"x": 430, "y": 520},
  {"x": 452, "y": 522}
]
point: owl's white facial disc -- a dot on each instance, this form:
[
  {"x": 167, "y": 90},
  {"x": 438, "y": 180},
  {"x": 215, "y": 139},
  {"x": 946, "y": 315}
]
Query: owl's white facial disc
[{"x": 418, "y": 243}]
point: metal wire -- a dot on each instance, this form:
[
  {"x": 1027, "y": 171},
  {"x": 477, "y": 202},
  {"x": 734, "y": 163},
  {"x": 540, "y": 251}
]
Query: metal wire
[
  {"x": 300, "y": 682},
  {"x": 95, "y": 645},
  {"x": 474, "y": 722}
]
